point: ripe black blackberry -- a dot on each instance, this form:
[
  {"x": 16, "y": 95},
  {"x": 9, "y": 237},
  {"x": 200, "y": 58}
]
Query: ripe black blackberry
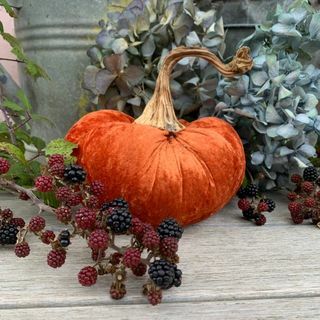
[
  {"x": 64, "y": 238},
  {"x": 271, "y": 204},
  {"x": 116, "y": 203},
  {"x": 119, "y": 220},
  {"x": 74, "y": 174},
  {"x": 242, "y": 193},
  {"x": 177, "y": 276},
  {"x": 252, "y": 190},
  {"x": 164, "y": 274},
  {"x": 169, "y": 228},
  {"x": 8, "y": 234},
  {"x": 310, "y": 174},
  {"x": 248, "y": 214}
]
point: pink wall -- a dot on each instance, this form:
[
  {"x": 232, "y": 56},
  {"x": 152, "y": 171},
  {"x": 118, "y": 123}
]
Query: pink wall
[{"x": 5, "y": 48}]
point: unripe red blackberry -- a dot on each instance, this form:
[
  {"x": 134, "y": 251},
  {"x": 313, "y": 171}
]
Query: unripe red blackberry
[
  {"x": 93, "y": 202},
  {"x": 88, "y": 276},
  {"x": 55, "y": 159},
  {"x": 44, "y": 183},
  {"x": 309, "y": 202},
  {"x": 262, "y": 206},
  {"x": 117, "y": 291},
  {"x": 131, "y": 257},
  {"x": 260, "y": 219},
  {"x": 296, "y": 178},
  {"x": 47, "y": 236},
  {"x": 37, "y": 223},
  {"x": 295, "y": 208},
  {"x": 139, "y": 270},
  {"x": 151, "y": 240},
  {"x": 4, "y": 165},
  {"x": 23, "y": 196},
  {"x": 63, "y": 193},
  {"x": 6, "y": 214},
  {"x": 307, "y": 186},
  {"x": 292, "y": 196},
  {"x": 22, "y": 249},
  {"x": 97, "y": 188},
  {"x": 169, "y": 247},
  {"x": 154, "y": 297},
  {"x": 98, "y": 239},
  {"x": 244, "y": 204},
  {"x": 137, "y": 227},
  {"x": 57, "y": 170},
  {"x": 85, "y": 218},
  {"x": 297, "y": 218},
  {"x": 56, "y": 258},
  {"x": 18, "y": 222},
  {"x": 74, "y": 200},
  {"x": 64, "y": 214}
]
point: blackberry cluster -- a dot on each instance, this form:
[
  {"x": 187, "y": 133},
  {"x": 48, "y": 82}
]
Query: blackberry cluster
[
  {"x": 165, "y": 274},
  {"x": 8, "y": 234},
  {"x": 252, "y": 205},
  {"x": 305, "y": 199},
  {"x": 169, "y": 228},
  {"x": 74, "y": 174},
  {"x": 119, "y": 220},
  {"x": 150, "y": 250}
]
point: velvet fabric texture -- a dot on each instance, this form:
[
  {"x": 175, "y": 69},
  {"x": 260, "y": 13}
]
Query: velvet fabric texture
[{"x": 188, "y": 175}]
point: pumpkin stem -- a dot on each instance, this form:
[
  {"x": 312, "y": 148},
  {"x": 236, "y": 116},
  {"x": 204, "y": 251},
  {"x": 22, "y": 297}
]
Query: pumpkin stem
[{"x": 159, "y": 111}]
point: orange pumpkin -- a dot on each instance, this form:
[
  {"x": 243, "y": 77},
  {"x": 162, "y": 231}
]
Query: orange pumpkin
[{"x": 161, "y": 167}]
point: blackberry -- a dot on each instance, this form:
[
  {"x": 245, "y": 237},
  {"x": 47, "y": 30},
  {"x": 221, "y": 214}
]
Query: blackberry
[
  {"x": 74, "y": 174},
  {"x": 164, "y": 274},
  {"x": 64, "y": 238},
  {"x": 310, "y": 174},
  {"x": 248, "y": 214},
  {"x": 8, "y": 234},
  {"x": 242, "y": 193},
  {"x": 116, "y": 203},
  {"x": 169, "y": 228},
  {"x": 119, "y": 220},
  {"x": 252, "y": 190},
  {"x": 271, "y": 204}
]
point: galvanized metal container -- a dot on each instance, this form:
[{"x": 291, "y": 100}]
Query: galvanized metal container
[{"x": 56, "y": 34}]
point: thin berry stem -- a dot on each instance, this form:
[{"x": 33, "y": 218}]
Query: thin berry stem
[{"x": 16, "y": 189}]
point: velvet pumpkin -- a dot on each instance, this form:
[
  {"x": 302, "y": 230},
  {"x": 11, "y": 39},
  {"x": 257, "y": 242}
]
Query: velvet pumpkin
[{"x": 161, "y": 166}]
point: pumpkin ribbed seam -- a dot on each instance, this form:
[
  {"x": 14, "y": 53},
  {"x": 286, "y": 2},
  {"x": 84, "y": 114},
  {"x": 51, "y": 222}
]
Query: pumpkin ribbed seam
[{"x": 200, "y": 161}]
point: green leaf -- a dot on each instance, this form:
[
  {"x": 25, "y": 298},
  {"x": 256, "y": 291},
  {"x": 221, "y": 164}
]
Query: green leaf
[
  {"x": 61, "y": 146},
  {"x": 24, "y": 99},
  {"x": 39, "y": 117},
  {"x": 12, "y": 105},
  {"x": 1, "y": 27},
  {"x": 38, "y": 143},
  {"x": 23, "y": 135},
  {"x": 14, "y": 151},
  {"x": 19, "y": 173},
  {"x": 35, "y": 70},
  {"x": 7, "y": 7}
]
